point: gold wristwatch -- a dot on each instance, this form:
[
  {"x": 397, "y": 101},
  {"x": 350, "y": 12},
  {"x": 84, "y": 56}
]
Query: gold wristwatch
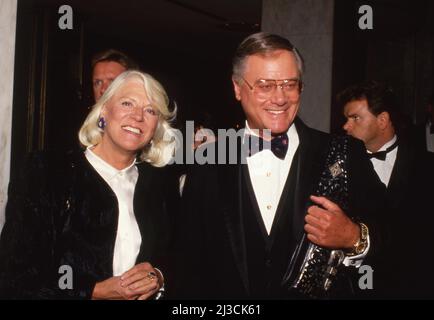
[{"x": 360, "y": 246}]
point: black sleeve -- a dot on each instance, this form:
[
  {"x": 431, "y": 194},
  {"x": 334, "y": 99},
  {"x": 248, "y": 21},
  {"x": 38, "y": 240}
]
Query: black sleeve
[
  {"x": 27, "y": 239},
  {"x": 29, "y": 242}
]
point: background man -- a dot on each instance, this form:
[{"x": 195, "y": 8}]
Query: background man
[
  {"x": 372, "y": 116},
  {"x": 106, "y": 66}
]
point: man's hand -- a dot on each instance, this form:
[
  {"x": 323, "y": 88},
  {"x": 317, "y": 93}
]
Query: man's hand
[{"x": 328, "y": 226}]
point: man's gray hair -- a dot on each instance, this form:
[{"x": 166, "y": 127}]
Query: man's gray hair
[{"x": 263, "y": 43}]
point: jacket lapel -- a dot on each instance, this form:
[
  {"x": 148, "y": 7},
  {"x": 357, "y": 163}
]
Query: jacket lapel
[
  {"x": 399, "y": 175},
  {"x": 230, "y": 183},
  {"x": 308, "y": 171}
]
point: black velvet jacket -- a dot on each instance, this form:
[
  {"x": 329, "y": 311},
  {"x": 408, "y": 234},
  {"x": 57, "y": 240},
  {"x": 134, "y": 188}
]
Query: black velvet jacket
[{"x": 62, "y": 212}]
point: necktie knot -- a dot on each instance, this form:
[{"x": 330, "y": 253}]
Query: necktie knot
[
  {"x": 278, "y": 145},
  {"x": 381, "y": 155}
]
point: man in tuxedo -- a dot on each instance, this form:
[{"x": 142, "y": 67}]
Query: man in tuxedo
[
  {"x": 242, "y": 222},
  {"x": 372, "y": 116}
]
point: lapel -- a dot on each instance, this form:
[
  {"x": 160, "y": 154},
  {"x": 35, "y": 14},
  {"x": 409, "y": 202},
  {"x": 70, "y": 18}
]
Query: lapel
[
  {"x": 310, "y": 153},
  {"x": 248, "y": 187},
  {"x": 400, "y": 174},
  {"x": 102, "y": 195}
]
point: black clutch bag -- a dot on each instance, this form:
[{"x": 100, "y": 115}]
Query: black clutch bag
[{"x": 314, "y": 270}]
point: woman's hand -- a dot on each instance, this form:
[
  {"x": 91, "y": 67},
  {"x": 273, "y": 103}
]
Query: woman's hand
[
  {"x": 111, "y": 289},
  {"x": 143, "y": 280},
  {"x": 140, "y": 282}
]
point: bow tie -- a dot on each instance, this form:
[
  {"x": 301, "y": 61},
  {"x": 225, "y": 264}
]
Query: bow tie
[
  {"x": 279, "y": 145},
  {"x": 381, "y": 155}
]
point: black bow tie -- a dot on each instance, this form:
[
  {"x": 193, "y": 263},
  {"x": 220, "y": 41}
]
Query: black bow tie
[
  {"x": 279, "y": 145},
  {"x": 381, "y": 155}
]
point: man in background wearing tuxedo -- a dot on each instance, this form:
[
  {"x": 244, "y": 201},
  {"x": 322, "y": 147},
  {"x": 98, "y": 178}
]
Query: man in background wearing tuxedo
[
  {"x": 372, "y": 115},
  {"x": 241, "y": 222}
]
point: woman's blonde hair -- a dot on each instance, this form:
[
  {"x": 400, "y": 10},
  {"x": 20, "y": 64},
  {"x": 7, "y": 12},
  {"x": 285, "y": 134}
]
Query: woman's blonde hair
[{"x": 160, "y": 148}]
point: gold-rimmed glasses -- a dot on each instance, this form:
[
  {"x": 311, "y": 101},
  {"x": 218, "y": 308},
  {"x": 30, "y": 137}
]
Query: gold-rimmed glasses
[{"x": 267, "y": 87}]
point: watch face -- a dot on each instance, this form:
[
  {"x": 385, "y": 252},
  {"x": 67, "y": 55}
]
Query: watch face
[{"x": 361, "y": 248}]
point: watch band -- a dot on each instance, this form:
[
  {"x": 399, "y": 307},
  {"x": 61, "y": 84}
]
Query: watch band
[{"x": 360, "y": 246}]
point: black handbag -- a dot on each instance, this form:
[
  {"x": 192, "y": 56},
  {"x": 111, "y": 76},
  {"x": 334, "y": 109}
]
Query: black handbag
[{"x": 314, "y": 270}]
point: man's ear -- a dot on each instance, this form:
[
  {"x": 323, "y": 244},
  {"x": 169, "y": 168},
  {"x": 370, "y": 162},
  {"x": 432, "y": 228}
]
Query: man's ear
[
  {"x": 237, "y": 89},
  {"x": 384, "y": 119},
  {"x": 300, "y": 87}
]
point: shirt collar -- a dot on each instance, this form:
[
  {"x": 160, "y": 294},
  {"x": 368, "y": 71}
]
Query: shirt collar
[
  {"x": 292, "y": 133},
  {"x": 293, "y": 139},
  {"x": 388, "y": 144},
  {"x": 105, "y": 169}
]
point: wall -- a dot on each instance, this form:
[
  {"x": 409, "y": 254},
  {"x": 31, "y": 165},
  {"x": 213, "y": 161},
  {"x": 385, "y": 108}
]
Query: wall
[
  {"x": 8, "y": 15},
  {"x": 308, "y": 24}
]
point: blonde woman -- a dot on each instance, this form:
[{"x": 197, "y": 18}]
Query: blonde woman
[{"x": 94, "y": 224}]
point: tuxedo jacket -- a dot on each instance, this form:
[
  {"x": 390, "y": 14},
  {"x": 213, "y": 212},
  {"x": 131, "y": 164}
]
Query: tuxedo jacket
[
  {"x": 416, "y": 137},
  {"x": 404, "y": 268},
  {"x": 216, "y": 250},
  {"x": 62, "y": 212}
]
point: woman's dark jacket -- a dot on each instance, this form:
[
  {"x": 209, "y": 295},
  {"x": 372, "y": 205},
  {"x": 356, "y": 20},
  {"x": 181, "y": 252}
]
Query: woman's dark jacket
[{"x": 62, "y": 212}]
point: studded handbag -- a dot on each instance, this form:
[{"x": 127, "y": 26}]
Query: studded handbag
[{"x": 313, "y": 270}]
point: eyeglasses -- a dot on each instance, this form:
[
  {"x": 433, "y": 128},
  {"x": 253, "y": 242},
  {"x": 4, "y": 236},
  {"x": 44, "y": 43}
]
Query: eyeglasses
[{"x": 266, "y": 87}]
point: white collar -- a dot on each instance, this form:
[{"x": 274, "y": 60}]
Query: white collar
[
  {"x": 388, "y": 143},
  {"x": 104, "y": 168},
  {"x": 292, "y": 132}
]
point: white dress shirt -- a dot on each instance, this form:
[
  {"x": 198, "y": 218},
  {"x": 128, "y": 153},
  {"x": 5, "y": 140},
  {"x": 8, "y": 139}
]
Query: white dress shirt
[
  {"x": 429, "y": 138},
  {"x": 384, "y": 168},
  {"x": 268, "y": 175},
  {"x": 128, "y": 237}
]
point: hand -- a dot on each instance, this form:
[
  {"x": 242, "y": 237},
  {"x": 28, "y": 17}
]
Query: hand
[
  {"x": 143, "y": 280},
  {"x": 328, "y": 226},
  {"x": 111, "y": 289}
]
